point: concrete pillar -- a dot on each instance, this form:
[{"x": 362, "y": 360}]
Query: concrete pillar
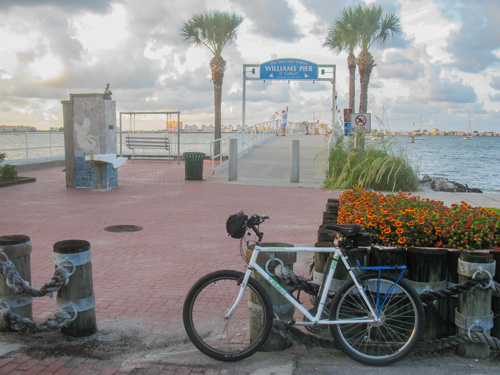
[
  {"x": 294, "y": 160},
  {"x": 233, "y": 160}
]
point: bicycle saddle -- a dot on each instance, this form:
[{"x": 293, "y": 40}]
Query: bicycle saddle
[{"x": 345, "y": 229}]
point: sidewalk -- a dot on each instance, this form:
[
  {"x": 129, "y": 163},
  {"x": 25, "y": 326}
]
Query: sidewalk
[{"x": 141, "y": 278}]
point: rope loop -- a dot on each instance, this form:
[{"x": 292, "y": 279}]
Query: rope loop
[
  {"x": 481, "y": 280},
  {"x": 71, "y": 264},
  {"x": 475, "y": 324},
  {"x": 4, "y": 255}
]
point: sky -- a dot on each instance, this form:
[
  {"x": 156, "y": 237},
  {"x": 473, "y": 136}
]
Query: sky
[{"x": 443, "y": 68}]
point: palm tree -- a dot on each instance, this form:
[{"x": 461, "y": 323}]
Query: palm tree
[
  {"x": 343, "y": 36},
  {"x": 214, "y": 30},
  {"x": 375, "y": 27}
]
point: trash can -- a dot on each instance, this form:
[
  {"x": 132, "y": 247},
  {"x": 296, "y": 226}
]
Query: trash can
[{"x": 193, "y": 162}]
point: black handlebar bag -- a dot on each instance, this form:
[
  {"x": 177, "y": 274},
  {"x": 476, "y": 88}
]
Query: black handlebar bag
[{"x": 236, "y": 225}]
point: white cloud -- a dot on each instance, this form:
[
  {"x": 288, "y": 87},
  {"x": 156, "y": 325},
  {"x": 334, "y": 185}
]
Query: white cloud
[{"x": 445, "y": 62}]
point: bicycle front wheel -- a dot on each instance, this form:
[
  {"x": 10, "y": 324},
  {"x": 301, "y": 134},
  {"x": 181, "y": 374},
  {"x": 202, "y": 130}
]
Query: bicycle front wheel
[
  {"x": 221, "y": 337},
  {"x": 401, "y": 322}
]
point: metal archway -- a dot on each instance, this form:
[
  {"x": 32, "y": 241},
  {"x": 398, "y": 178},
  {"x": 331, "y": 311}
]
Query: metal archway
[{"x": 289, "y": 69}]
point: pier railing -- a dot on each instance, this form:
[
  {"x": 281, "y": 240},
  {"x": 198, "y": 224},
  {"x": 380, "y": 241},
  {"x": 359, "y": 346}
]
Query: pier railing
[
  {"x": 248, "y": 138},
  {"x": 32, "y": 147}
]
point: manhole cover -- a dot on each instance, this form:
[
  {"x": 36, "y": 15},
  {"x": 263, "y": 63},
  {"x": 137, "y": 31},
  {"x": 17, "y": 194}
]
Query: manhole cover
[{"x": 123, "y": 228}]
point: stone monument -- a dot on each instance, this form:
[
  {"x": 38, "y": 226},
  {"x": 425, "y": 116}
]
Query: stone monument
[{"x": 90, "y": 141}]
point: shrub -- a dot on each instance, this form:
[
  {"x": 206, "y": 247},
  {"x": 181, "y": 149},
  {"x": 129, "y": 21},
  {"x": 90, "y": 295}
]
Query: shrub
[
  {"x": 7, "y": 171},
  {"x": 379, "y": 168},
  {"x": 404, "y": 220}
]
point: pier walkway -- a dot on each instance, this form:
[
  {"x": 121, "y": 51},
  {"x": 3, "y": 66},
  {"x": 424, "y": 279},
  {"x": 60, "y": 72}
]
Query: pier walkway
[{"x": 141, "y": 278}]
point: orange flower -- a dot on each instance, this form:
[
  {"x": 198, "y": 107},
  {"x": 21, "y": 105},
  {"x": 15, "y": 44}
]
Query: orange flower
[
  {"x": 387, "y": 230},
  {"x": 402, "y": 240},
  {"x": 410, "y": 223},
  {"x": 427, "y": 230},
  {"x": 399, "y": 231},
  {"x": 398, "y": 223}
]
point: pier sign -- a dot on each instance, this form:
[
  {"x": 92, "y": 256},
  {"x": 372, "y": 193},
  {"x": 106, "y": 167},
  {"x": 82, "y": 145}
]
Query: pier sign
[{"x": 289, "y": 69}]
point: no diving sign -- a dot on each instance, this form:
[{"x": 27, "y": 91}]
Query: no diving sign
[{"x": 362, "y": 121}]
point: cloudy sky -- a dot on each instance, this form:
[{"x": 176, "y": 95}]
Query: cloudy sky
[{"x": 444, "y": 66}]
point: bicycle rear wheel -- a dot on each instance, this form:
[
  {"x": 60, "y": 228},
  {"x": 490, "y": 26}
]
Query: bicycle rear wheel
[
  {"x": 391, "y": 339},
  {"x": 227, "y": 339}
]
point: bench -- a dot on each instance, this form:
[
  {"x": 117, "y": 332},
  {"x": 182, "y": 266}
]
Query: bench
[
  {"x": 147, "y": 142},
  {"x": 135, "y": 142}
]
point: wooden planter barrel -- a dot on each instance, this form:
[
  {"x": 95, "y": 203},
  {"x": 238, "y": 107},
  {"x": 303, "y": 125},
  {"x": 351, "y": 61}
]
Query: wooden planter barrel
[
  {"x": 80, "y": 290},
  {"x": 387, "y": 256},
  {"x": 495, "y": 301},
  {"x": 428, "y": 270},
  {"x": 281, "y": 306},
  {"x": 18, "y": 249}
]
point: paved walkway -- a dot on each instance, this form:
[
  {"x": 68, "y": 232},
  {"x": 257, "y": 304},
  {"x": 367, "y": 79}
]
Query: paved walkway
[{"x": 141, "y": 278}]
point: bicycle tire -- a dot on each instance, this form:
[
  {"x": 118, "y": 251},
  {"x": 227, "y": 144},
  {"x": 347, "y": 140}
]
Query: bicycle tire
[
  {"x": 227, "y": 339},
  {"x": 378, "y": 344}
]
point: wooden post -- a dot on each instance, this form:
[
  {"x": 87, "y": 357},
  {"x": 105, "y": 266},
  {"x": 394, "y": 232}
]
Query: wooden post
[
  {"x": 281, "y": 306},
  {"x": 428, "y": 268},
  {"x": 18, "y": 249},
  {"x": 495, "y": 301},
  {"x": 79, "y": 291},
  {"x": 474, "y": 306}
]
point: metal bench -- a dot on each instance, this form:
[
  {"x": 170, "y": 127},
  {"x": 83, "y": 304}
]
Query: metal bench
[{"x": 135, "y": 142}]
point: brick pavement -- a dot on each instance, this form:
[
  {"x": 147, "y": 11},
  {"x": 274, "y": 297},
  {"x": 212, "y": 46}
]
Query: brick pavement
[{"x": 140, "y": 278}]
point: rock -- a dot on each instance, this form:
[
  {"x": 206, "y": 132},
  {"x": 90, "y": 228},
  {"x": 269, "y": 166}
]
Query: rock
[{"x": 443, "y": 184}]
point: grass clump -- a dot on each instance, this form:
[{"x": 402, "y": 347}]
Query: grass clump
[{"x": 380, "y": 167}]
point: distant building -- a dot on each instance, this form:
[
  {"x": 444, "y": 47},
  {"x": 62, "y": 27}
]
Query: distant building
[{"x": 17, "y": 128}]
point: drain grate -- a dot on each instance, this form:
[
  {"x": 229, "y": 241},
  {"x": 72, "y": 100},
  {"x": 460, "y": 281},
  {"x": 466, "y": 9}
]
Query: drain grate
[{"x": 123, "y": 228}]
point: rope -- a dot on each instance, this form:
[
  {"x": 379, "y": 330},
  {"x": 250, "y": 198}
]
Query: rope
[
  {"x": 296, "y": 335},
  {"x": 19, "y": 285},
  {"x": 60, "y": 319},
  {"x": 298, "y": 282},
  {"x": 475, "y": 338},
  {"x": 301, "y": 283}
]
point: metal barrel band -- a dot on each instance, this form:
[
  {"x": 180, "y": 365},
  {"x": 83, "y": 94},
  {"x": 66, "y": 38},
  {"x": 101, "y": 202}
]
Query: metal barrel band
[
  {"x": 421, "y": 286},
  {"x": 17, "y": 250},
  {"x": 468, "y": 269},
  {"x": 467, "y": 323},
  {"x": 15, "y": 302},
  {"x": 78, "y": 259},
  {"x": 80, "y": 305}
]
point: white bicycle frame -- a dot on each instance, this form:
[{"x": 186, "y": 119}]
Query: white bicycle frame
[{"x": 313, "y": 320}]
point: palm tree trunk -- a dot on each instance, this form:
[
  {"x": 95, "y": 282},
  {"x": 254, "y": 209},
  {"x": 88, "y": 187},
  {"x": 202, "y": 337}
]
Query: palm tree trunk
[
  {"x": 365, "y": 65},
  {"x": 218, "y": 65},
  {"x": 351, "y": 64},
  {"x": 218, "y": 116}
]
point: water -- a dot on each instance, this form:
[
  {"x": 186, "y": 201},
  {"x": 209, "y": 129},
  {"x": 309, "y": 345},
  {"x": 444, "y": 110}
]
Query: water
[{"x": 474, "y": 162}]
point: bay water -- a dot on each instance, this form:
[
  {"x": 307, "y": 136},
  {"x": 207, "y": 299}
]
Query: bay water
[{"x": 474, "y": 162}]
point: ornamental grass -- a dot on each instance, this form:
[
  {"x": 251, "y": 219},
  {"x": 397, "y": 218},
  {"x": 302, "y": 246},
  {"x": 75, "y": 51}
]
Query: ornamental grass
[
  {"x": 403, "y": 220},
  {"x": 381, "y": 167}
]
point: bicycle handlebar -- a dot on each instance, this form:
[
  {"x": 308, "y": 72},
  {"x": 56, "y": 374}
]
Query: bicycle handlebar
[{"x": 254, "y": 221}]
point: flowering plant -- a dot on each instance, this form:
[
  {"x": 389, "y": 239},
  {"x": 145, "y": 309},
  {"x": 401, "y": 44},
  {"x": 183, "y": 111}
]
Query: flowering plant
[{"x": 404, "y": 220}]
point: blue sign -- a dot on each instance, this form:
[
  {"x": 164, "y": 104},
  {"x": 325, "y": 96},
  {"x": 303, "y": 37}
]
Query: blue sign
[
  {"x": 347, "y": 129},
  {"x": 288, "y": 69}
]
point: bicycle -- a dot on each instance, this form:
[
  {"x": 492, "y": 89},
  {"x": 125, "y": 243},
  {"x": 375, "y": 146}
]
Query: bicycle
[{"x": 376, "y": 317}]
